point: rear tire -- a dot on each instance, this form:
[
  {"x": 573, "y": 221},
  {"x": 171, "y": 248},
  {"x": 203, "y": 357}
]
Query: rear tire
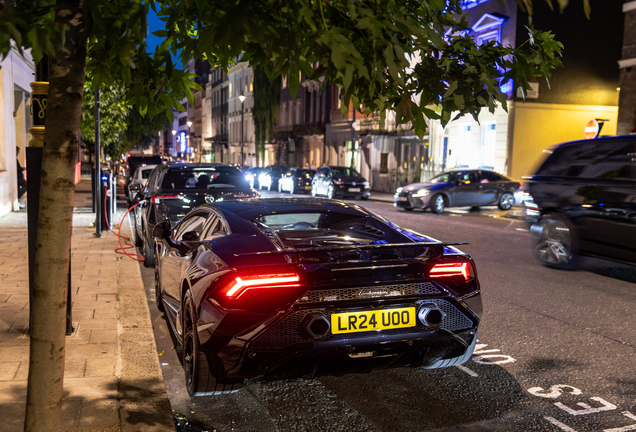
[
  {"x": 554, "y": 242},
  {"x": 139, "y": 242},
  {"x": 149, "y": 254},
  {"x": 364, "y": 198},
  {"x": 438, "y": 204},
  {"x": 202, "y": 378},
  {"x": 158, "y": 296},
  {"x": 506, "y": 201}
]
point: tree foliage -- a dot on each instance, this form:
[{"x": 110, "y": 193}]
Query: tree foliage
[
  {"x": 266, "y": 102},
  {"x": 364, "y": 47},
  {"x": 113, "y": 117}
]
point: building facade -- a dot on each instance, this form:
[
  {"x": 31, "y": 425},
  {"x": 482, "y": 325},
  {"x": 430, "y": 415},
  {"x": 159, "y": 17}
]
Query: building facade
[
  {"x": 240, "y": 123},
  {"x": 16, "y": 73}
]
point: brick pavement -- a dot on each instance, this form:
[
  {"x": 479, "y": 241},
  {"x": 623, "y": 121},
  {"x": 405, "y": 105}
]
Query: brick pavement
[{"x": 113, "y": 381}]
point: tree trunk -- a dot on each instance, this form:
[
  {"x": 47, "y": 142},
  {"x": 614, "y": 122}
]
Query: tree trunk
[{"x": 52, "y": 257}]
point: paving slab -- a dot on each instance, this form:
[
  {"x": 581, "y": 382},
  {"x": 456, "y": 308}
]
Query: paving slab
[{"x": 113, "y": 381}]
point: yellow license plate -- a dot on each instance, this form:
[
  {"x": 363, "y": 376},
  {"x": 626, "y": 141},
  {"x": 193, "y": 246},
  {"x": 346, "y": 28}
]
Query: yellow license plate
[
  {"x": 383, "y": 319},
  {"x": 307, "y": 186}
]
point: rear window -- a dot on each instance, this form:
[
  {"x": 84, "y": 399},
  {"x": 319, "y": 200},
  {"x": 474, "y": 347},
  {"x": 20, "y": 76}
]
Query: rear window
[
  {"x": 146, "y": 173},
  {"x": 609, "y": 160},
  {"x": 204, "y": 178}
]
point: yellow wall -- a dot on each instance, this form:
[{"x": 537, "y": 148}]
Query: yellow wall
[{"x": 537, "y": 126}]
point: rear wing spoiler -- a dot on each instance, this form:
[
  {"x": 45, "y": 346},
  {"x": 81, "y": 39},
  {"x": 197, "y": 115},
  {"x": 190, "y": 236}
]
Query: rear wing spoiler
[{"x": 438, "y": 248}]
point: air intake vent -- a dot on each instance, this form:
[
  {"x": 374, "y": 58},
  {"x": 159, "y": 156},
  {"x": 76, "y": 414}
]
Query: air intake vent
[{"x": 370, "y": 230}]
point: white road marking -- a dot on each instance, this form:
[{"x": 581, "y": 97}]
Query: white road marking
[
  {"x": 587, "y": 409},
  {"x": 555, "y": 391},
  {"x": 521, "y": 229},
  {"x": 486, "y": 359},
  {"x": 468, "y": 371},
  {"x": 485, "y": 351},
  {"x": 624, "y": 428},
  {"x": 559, "y": 424}
]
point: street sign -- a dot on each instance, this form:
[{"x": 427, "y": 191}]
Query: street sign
[{"x": 592, "y": 129}]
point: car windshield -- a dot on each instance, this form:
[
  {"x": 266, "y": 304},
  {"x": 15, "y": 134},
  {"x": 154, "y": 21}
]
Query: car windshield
[
  {"x": 204, "y": 178},
  {"x": 447, "y": 177},
  {"x": 345, "y": 172}
]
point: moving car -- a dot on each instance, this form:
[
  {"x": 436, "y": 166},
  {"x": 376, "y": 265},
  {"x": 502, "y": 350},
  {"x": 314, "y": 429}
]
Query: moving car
[
  {"x": 173, "y": 190},
  {"x": 138, "y": 181},
  {"x": 296, "y": 180},
  {"x": 280, "y": 288},
  {"x": 268, "y": 179},
  {"x": 339, "y": 181},
  {"x": 584, "y": 198},
  {"x": 252, "y": 176},
  {"x": 460, "y": 188}
]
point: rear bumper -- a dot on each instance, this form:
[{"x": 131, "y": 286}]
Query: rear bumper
[
  {"x": 279, "y": 347},
  {"x": 335, "y": 357}
]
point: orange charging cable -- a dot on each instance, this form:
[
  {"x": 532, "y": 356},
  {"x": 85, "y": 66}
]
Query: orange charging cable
[{"x": 122, "y": 249}]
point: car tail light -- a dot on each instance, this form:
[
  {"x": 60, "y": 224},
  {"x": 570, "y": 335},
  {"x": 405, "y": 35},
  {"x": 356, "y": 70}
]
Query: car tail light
[
  {"x": 450, "y": 269},
  {"x": 157, "y": 199},
  {"x": 240, "y": 284},
  {"x": 244, "y": 195}
]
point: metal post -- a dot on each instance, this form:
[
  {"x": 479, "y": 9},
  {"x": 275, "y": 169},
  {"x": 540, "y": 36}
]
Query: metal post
[
  {"x": 353, "y": 139},
  {"x": 98, "y": 171},
  {"x": 242, "y": 142}
]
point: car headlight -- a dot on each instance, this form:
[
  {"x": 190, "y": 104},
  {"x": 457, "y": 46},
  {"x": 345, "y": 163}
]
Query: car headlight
[
  {"x": 338, "y": 182},
  {"x": 421, "y": 193},
  {"x": 398, "y": 190},
  {"x": 365, "y": 184}
]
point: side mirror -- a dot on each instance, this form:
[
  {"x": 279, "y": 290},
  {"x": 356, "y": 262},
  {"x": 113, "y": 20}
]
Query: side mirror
[
  {"x": 136, "y": 188},
  {"x": 162, "y": 230},
  {"x": 191, "y": 236}
]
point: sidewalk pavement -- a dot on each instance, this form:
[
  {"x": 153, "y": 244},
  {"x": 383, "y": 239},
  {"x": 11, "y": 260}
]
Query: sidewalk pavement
[{"x": 113, "y": 381}]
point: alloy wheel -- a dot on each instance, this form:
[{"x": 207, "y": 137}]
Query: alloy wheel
[
  {"x": 506, "y": 201},
  {"x": 158, "y": 300},
  {"x": 554, "y": 247},
  {"x": 438, "y": 204}
]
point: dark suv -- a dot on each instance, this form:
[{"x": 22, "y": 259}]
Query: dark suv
[
  {"x": 584, "y": 196},
  {"x": 173, "y": 190}
]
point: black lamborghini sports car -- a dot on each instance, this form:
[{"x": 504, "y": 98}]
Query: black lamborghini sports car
[{"x": 282, "y": 288}]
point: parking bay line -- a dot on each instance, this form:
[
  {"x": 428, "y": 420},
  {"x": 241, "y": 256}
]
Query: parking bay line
[
  {"x": 559, "y": 424},
  {"x": 468, "y": 371}
]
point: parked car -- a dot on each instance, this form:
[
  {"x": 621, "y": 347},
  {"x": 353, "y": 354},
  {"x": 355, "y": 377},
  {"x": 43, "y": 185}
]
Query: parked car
[
  {"x": 584, "y": 196},
  {"x": 460, "y": 188},
  {"x": 173, "y": 190},
  {"x": 340, "y": 182},
  {"x": 138, "y": 181},
  {"x": 135, "y": 161},
  {"x": 271, "y": 308},
  {"x": 296, "y": 180},
  {"x": 268, "y": 179},
  {"x": 252, "y": 176}
]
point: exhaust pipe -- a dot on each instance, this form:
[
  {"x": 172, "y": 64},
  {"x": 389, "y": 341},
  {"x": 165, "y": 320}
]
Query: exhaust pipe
[
  {"x": 315, "y": 325},
  {"x": 431, "y": 316}
]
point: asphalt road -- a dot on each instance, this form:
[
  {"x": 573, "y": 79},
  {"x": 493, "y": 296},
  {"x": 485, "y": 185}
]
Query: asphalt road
[{"x": 556, "y": 353}]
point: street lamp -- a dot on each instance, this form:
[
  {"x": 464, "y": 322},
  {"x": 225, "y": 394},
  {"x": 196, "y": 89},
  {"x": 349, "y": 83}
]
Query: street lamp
[
  {"x": 189, "y": 123},
  {"x": 242, "y": 144}
]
